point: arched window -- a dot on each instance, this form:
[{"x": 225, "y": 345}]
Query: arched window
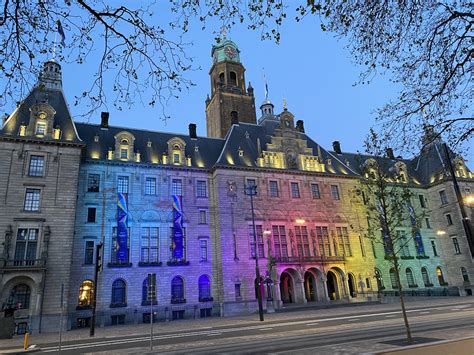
[
  {"x": 426, "y": 277},
  {"x": 439, "y": 273},
  {"x": 234, "y": 117},
  {"x": 204, "y": 288},
  {"x": 86, "y": 293},
  {"x": 379, "y": 278},
  {"x": 177, "y": 290},
  {"x": 119, "y": 289},
  {"x": 21, "y": 296},
  {"x": 222, "y": 78},
  {"x": 393, "y": 279},
  {"x": 233, "y": 78},
  {"x": 465, "y": 275},
  {"x": 145, "y": 299},
  {"x": 410, "y": 279}
]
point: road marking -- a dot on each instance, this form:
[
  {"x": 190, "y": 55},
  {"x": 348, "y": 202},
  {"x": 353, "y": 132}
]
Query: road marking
[
  {"x": 265, "y": 329},
  {"x": 228, "y": 330},
  {"x": 353, "y": 320},
  {"x": 425, "y": 312}
]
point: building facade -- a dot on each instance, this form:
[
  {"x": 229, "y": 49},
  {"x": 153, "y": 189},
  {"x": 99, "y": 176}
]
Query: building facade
[{"x": 132, "y": 186}]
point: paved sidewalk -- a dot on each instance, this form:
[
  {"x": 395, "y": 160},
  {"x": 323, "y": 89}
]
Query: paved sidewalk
[{"x": 194, "y": 324}]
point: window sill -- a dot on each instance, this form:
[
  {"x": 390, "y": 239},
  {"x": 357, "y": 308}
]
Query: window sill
[
  {"x": 118, "y": 305},
  {"x": 206, "y": 299},
  {"x": 147, "y": 303},
  {"x": 178, "y": 300},
  {"x": 116, "y": 265},
  {"x": 145, "y": 264},
  {"x": 79, "y": 308},
  {"x": 178, "y": 263}
]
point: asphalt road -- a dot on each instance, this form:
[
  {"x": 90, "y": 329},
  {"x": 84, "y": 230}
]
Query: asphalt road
[{"x": 283, "y": 337}]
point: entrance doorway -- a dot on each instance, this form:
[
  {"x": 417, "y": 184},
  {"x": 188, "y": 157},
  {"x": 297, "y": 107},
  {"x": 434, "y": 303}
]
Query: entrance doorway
[
  {"x": 286, "y": 288},
  {"x": 309, "y": 287},
  {"x": 352, "y": 286},
  {"x": 332, "y": 286}
]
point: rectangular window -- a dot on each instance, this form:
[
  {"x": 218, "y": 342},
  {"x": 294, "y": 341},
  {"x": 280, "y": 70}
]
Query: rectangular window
[
  {"x": 123, "y": 153},
  {"x": 89, "y": 253},
  {"x": 403, "y": 243},
  {"x": 322, "y": 235},
  {"x": 449, "y": 220},
  {"x": 26, "y": 246},
  {"x": 251, "y": 182},
  {"x": 36, "y": 165},
  {"x": 302, "y": 241},
  {"x": 315, "y": 191},
  {"x": 149, "y": 245},
  {"x": 367, "y": 283},
  {"x": 343, "y": 241},
  {"x": 122, "y": 184},
  {"x": 428, "y": 224},
  {"x": 150, "y": 186},
  {"x": 93, "y": 182},
  {"x": 91, "y": 212},
  {"x": 335, "y": 192},
  {"x": 362, "y": 248},
  {"x": 176, "y": 158},
  {"x": 114, "y": 247},
  {"x": 201, "y": 188},
  {"x": 273, "y": 186},
  {"x": 373, "y": 249},
  {"x": 457, "y": 249},
  {"x": 40, "y": 129},
  {"x": 295, "y": 190},
  {"x": 422, "y": 201},
  {"x": 279, "y": 241},
  {"x": 184, "y": 245},
  {"x": 433, "y": 246},
  {"x": 202, "y": 217},
  {"x": 203, "y": 249},
  {"x": 261, "y": 251},
  {"x": 443, "y": 197},
  {"x": 238, "y": 294},
  {"x": 32, "y": 199},
  {"x": 177, "y": 187}
]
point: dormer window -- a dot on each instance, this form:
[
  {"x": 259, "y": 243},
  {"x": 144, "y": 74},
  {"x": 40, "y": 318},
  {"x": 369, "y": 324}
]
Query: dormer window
[
  {"x": 176, "y": 159},
  {"x": 176, "y": 150},
  {"x": 124, "y": 153},
  {"x": 40, "y": 128}
]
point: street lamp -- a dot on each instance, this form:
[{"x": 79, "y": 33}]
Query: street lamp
[{"x": 251, "y": 190}]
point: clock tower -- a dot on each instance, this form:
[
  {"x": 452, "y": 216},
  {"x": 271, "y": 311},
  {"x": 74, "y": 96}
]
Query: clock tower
[{"x": 230, "y": 102}]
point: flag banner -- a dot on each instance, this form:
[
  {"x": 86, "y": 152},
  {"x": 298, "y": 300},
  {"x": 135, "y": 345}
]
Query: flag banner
[
  {"x": 61, "y": 32},
  {"x": 122, "y": 228},
  {"x": 178, "y": 250},
  {"x": 420, "y": 250}
]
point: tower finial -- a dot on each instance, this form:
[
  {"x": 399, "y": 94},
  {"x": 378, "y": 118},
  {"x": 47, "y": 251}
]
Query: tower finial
[
  {"x": 224, "y": 32},
  {"x": 266, "y": 84},
  {"x": 285, "y": 106}
]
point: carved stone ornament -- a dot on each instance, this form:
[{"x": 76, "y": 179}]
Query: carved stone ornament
[{"x": 231, "y": 188}]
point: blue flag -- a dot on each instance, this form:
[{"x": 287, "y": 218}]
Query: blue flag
[{"x": 61, "y": 32}]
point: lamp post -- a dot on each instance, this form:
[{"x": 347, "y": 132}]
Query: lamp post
[{"x": 251, "y": 190}]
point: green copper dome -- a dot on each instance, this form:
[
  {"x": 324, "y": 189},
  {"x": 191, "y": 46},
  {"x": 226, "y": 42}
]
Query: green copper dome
[{"x": 225, "y": 51}]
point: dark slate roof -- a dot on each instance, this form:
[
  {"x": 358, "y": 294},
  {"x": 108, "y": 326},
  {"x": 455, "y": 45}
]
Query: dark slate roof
[
  {"x": 53, "y": 97},
  {"x": 246, "y": 136},
  {"x": 207, "y": 152}
]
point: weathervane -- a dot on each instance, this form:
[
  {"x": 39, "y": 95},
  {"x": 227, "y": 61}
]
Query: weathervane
[{"x": 223, "y": 32}]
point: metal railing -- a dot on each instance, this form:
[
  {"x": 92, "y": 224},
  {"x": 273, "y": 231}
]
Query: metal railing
[
  {"x": 23, "y": 264},
  {"x": 307, "y": 259}
]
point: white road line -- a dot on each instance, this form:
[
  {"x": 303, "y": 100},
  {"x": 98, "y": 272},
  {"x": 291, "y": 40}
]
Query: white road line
[
  {"x": 265, "y": 329},
  {"x": 228, "y": 330},
  {"x": 425, "y": 312}
]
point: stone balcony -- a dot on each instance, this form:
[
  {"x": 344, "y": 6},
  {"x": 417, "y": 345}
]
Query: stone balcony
[
  {"x": 24, "y": 264},
  {"x": 308, "y": 259}
]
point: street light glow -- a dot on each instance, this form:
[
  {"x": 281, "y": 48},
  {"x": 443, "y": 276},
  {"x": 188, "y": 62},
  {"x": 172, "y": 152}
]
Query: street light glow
[
  {"x": 469, "y": 200},
  {"x": 300, "y": 221},
  {"x": 440, "y": 232}
]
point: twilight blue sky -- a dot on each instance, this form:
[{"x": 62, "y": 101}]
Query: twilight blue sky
[{"x": 310, "y": 68}]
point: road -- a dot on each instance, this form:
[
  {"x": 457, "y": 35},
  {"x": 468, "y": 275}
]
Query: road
[{"x": 301, "y": 334}]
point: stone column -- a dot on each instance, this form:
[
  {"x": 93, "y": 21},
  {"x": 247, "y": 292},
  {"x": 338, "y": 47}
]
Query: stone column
[
  {"x": 324, "y": 280},
  {"x": 276, "y": 294},
  {"x": 300, "y": 286}
]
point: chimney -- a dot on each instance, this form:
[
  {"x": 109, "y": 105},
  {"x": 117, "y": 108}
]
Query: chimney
[
  {"x": 336, "y": 146},
  {"x": 104, "y": 120},
  {"x": 234, "y": 118},
  {"x": 300, "y": 126},
  {"x": 389, "y": 152},
  {"x": 192, "y": 131}
]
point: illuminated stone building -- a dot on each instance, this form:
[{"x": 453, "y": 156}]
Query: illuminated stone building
[{"x": 308, "y": 215}]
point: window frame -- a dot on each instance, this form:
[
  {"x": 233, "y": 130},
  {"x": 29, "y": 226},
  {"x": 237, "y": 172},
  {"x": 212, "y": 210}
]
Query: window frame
[
  {"x": 335, "y": 193},
  {"x": 36, "y": 170},
  {"x": 150, "y": 186},
  {"x": 201, "y": 188},
  {"x": 32, "y": 204},
  {"x": 176, "y": 186},
  {"x": 315, "y": 192},
  {"x": 89, "y": 215},
  {"x": 457, "y": 248},
  {"x": 90, "y": 186},
  {"x": 88, "y": 250},
  {"x": 123, "y": 184},
  {"x": 273, "y": 189},
  {"x": 295, "y": 193}
]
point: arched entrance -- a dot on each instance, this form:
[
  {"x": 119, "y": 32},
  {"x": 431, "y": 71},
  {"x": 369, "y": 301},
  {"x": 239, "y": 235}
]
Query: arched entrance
[
  {"x": 332, "y": 286},
  {"x": 352, "y": 286},
  {"x": 287, "y": 289},
  {"x": 309, "y": 286}
]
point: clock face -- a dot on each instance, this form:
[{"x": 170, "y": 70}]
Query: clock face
[{"x": 230, "y": 52}]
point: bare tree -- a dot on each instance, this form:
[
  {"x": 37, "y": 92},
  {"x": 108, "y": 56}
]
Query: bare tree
[
  {"x": 138, "y": 60},
  {"x": 387, "y": 198}
]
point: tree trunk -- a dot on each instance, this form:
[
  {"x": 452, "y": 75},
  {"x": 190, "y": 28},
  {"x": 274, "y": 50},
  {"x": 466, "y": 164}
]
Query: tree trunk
[{"x": 402, "y": 301}]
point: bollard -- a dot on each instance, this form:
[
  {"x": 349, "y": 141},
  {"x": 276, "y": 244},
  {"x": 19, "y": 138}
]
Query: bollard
[{"x": 25, "y": 340}]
